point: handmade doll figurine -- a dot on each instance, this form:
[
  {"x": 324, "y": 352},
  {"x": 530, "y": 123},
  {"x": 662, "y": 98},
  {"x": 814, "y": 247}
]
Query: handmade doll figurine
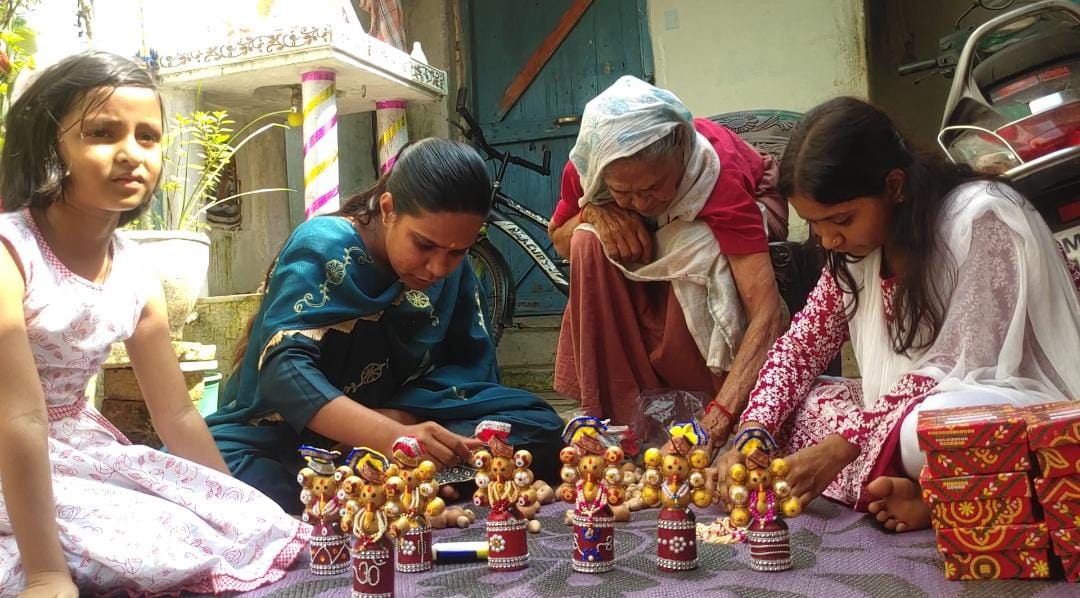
[
  {"x": 503, "y": 482},
  {"x": 329, "y": 548},
  {"x": 364, "y": 496},
  {"x": 758, "y": 489},
  {"x": 682, "y": 474},
  {"x": 650, "y": 479},
  {"x": 586, "y": 462},
  {"x": 412, "y": 498}
]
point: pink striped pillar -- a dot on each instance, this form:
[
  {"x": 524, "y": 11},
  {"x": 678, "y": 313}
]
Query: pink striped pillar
[{"x": 321, "y": 185}]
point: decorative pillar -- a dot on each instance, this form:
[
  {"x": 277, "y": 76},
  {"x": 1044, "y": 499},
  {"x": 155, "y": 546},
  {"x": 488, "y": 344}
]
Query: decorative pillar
[
  {"x": 321, "y": 192},
  {"x": 391, "y": 129}
]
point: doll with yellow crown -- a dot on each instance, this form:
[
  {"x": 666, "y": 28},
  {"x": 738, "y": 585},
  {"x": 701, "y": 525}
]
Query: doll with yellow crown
[
  {"x": 678, "y": 480},
  {"x": 504, "y": 483},
  {"x": 760, "y": 493},
  {"x": 412, "y": 499},
  {"x": 585, "y": 474},
  {"x": 328, "y": 547},
  {"x": 363, "y": 493}
]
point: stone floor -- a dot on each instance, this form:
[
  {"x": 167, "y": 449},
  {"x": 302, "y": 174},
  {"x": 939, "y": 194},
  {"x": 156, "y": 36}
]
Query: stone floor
[{"x": 566, "y": 408}]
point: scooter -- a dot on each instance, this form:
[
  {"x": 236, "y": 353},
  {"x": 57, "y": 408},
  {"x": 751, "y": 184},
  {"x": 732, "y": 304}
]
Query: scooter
[{"x": 1014, "y": 106}]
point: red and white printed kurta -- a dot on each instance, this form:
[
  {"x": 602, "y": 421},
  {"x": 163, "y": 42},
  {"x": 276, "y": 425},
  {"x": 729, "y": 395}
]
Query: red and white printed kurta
[
  {"x": 131, "y": 518},
  {"x": 801, "y": 407}
]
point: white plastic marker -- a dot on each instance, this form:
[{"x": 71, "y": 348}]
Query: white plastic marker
[
  {"x": 321, "y": 191},
  {"x": 459, "y": 552},
  {"x": 392, "y": 131}
]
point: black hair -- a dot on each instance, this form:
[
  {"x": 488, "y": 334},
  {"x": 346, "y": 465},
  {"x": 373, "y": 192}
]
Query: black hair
[
  {"x": 32, "y": 171},
  {"x": 845, "y": 148},
  {"x": 430, "y": 175}
]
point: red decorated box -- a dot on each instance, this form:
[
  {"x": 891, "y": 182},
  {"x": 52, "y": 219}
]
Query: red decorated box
[
  {"x": 981, "y": 513},
  {"x": 1018, "y": 564},
  {"x": 1059, "y": 461},
  {"x": 1066, "y": 541},
  {"x": 1062, "y": 515},
  {"x": 978, "y": 461},
  {"x": 1066, "y": 544},
  {"x": 989, "y": 426},
  {"x": 1053, "y": 424},
  {"x": 998, "y": 538},
  {"x": 1071, "y": 563},
  {"x": 977, "y": 487},
  {"x": 1052, "y": 491}
]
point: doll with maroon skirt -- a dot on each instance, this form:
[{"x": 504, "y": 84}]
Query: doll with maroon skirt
[
  {"x": 363, "y": 516},
  {"x": 504, "y": 483},
  {"x": 587, "y": 464},
  {"x": 679, "y": 481},
  {"x": 320, "y": 482},
  {"x": 412, "y": 499},
  {"x": 760, "y": 493}
]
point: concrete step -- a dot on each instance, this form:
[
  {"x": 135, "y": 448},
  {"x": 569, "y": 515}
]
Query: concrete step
[
  {"x": 527, "y": 353},
  {"x": 566, "y": 408},
  {"x": 530, "y": 342},
  {"x": 537, "y": 379}
]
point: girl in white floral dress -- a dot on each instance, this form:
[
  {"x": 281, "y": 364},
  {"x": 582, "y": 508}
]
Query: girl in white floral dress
[{"x": 82, "y": 509}]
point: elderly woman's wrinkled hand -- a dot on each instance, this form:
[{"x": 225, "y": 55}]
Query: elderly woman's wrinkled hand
[
  {"x": 622, "y": 233},
  {"x": 719, "y": 479}
]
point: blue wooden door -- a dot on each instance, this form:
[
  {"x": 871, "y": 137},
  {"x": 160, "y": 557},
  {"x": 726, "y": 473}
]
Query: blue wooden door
[{"x": 610, "y": 40}]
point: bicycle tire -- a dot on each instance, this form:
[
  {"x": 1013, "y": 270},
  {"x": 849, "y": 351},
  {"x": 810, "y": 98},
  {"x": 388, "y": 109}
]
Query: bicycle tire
[{"x": 497, "y": 287}]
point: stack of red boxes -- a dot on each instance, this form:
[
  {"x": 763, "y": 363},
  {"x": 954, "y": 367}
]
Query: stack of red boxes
[
  {"x": 1054, "y": 435},
  {"x": 980, "y": 498}
]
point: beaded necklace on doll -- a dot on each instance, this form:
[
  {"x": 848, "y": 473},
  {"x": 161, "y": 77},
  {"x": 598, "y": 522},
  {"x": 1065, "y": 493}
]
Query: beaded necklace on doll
[
  {"x": 502, "y": 500},
  {"x": 364, "y": 495},
  {"x": 587, "y": 464},
  {"x": 413, "y": 492},
  {"x": 683, "y": 469},
  {"x": 759, "y": 483},
  {"x": 682, "y": 489},
  {"x": 497, "y": 484}
]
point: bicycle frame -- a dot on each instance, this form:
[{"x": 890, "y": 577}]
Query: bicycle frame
[
  {"x": 502, "y": 220},
  {"x": 503, "y": 209}
]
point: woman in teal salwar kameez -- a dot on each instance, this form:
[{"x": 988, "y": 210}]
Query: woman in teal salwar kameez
[{"x": 372, "y": 327}]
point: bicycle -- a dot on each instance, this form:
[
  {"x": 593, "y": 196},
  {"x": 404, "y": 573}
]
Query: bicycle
[{"x": 496, "y": 278}]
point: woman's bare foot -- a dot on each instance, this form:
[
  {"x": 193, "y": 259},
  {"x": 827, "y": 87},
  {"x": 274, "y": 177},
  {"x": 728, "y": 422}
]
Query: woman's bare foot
[{"x": 899, "y": 507}]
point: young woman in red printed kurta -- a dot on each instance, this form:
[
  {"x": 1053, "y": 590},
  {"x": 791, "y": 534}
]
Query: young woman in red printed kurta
[{"x": 951, "y": 289}]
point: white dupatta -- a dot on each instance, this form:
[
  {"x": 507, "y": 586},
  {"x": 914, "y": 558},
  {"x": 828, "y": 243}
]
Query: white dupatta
[
  {"x": 1012, "y": 321},
  {"x": 623, "y": 120}
]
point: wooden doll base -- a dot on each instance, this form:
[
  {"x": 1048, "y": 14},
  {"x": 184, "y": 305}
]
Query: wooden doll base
[
  {"x": 508, "y": 544},
  {"x": 594, "y": 544},
  {"x": 373, "y": 570},
  {"x": 770, "y": 546},
  {"x": 676, "y": 540},
  {"x": 329, "y": 550}
]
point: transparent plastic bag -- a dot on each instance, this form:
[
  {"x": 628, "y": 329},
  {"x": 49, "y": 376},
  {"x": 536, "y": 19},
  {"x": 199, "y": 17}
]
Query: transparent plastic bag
[{"x": 657, "y": 410}]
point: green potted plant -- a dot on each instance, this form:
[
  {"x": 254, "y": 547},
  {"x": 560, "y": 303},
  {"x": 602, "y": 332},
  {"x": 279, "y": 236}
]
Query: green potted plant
[
  {"x": 198, "y": 149},
  {"x": 17, "y": 46}
]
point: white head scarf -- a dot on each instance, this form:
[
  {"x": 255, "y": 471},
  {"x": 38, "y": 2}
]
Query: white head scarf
[{"x": 625, "y": 119}]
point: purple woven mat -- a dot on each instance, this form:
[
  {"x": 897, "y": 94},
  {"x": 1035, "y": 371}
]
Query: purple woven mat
[{"x": 836, "y": 553}]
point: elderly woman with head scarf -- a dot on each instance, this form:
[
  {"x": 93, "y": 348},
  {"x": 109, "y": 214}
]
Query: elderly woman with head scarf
[{"x": 665, "y": 220}]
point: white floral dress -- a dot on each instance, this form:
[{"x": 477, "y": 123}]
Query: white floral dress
[{"x": 131, "y": 519}]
